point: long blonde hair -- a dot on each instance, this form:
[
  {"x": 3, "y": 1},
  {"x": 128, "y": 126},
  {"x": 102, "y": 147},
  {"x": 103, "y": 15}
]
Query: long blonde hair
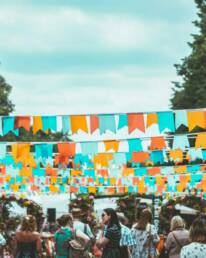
[
  {"x": 177, "y": 222},
  {"x": 29, "y": 223}
]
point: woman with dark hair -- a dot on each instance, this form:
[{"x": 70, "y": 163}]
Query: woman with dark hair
[
  {"x": 110, "y": 240},
  {"x": 145, "y": 235},
  {"x": 197, "y": 235},
  {"x": 27, "y": 241}
]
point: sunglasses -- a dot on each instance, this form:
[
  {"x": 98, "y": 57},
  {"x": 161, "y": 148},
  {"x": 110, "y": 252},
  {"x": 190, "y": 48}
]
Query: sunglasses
[{"x": 103, "y": 214}]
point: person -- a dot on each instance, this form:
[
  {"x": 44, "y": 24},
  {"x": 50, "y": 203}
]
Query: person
[
  {"x": 110, "y": 239},
  {"x": 177, "y": 238},
  {"x": 27, "y": 241},
  {"x": 65, "y": 233},
  {"x": 2, "y": 244},
  {"x": 145, "y": 235},
  {"x": 79, "y": 225},
  {"x": 197, "y": 235},
  {"x": 127, "y": 240}
]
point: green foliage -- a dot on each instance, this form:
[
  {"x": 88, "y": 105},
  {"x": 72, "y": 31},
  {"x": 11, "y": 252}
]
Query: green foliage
[
  {"x": 191, "y": 92},
  {"x": 40, "y": 136},
  {"x": 6, "y": 106},
  {"x": 168, "y": 210}
]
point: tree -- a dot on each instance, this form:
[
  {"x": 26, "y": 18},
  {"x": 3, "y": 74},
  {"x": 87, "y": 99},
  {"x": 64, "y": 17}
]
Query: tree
[
  {"x": 191, "y": 92},
  {"x": 6, "y": 106}
]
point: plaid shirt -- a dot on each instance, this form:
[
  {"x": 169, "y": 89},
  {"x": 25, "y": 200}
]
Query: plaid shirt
[{"x": 127, "y": 238}]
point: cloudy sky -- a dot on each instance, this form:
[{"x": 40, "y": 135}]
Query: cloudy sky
[{"x": 92, "y": 56}]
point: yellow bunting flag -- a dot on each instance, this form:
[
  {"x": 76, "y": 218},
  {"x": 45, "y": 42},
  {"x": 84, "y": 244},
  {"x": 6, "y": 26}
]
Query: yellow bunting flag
[
  {"x": 37, "y": 124},
  {"x": 200, "y": 141},
  {"x": 128, "y": 171},
  {"x": 196, "y": 118},
  {"x": 180, "y": 169},
  {"x": 79, "y": 122},
  {"x": 111, "y": 145},
  {"x": 102, "y": 159},
  {"x": 176, "y": 155},
  {"x": 151, "y": 119},
  {"x": 25, "y": 172},
  {"x": 92, "y": 189}
]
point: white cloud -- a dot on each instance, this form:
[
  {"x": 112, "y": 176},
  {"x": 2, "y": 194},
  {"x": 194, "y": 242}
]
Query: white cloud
[
  {"x": 26, "y": 29},
  {"x": 109, "y": 91}
]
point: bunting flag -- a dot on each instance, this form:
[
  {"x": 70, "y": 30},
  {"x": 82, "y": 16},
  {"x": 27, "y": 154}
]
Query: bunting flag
[
  {"x": 23, "y": 121},
  {"x": 166, "y": 121},
  {"x": 152, "y": 119},
  {"x": 107, "y": 123},
  {"x": 196, "y": 118},
  {"x": 77, "y": 123},
  {"x": 37, "y": 124},
  {"x": 160, "y": 163},
  {"x": 157, "y": 143},
  {"x": 66, "y": 124},
  {"x": 136, "y": 121},
  {"x": 123, "y": 121},
  {"x": 94, "y": 123}
]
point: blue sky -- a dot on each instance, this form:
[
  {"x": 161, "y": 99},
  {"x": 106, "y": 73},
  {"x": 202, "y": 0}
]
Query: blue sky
[{"x": 93, "y": 56}]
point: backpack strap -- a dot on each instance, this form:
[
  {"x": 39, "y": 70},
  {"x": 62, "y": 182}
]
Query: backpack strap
[
  {"x": 85, "y": 228},
  {"x": 177, "y": 241}
]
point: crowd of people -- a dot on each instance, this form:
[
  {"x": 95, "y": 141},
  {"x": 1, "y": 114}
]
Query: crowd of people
[{"x": 74, "y": 239}]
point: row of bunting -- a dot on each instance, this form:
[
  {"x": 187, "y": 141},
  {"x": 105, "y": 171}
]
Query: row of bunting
[
  {"x": 65, "y": 157},
  {"x": 72, "y": 124},
  {"x": 143, "y": 185},
  {"x": 10, "y": 171}
]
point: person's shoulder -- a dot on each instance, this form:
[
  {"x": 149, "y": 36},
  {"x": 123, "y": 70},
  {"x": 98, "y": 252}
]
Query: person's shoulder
[
  {"x": 36, "y": 234},
  {"x": 189, "y": 247}
]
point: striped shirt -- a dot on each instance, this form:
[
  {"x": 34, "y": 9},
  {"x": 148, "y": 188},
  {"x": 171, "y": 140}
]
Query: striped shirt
[{"x": 127, "y": 238}]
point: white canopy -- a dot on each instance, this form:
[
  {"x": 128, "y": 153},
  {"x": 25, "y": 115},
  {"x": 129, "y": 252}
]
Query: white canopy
[{"x": 185, "y": 210}]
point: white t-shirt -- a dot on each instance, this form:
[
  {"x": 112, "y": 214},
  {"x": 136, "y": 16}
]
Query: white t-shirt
[{"x": 193, "y": 250}]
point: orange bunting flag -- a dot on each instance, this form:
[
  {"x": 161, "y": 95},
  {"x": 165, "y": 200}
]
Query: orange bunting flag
[
  {"x": 135, "y": 181},
  {"x": 2, "y": 170},
  {"x": 200, "y": 141},
  {"x": 136, "y": 121},
  {"x": 111, "y": 145},
  {"x": 196, "y": 118},
  {"x": 79, "y": 122},
  {"x": 50, "y": 171},
  {"x": 67, "y": 148},
  {"x": 157, "y": 143},
  {"x": 74, "y": 189},
  {"x": 37, "y": 124},
  {"x": 151, "y": 119},
  {"x": 111, "y": 190},
  {"x": 141, "y": 156},
  {"x": 94, "y": 123},
  {"x": 153, "y": 171},
  {"x": 103, "y": 172},
  {"x": 22, "y": 121}
]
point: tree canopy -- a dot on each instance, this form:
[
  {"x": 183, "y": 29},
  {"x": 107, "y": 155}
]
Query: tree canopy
[
  {"x": 6, "y": 106},
  {"x": 191, "y": 91}
]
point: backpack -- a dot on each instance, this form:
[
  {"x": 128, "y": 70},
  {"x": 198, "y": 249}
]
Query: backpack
[{"x": 77, "y": 247}]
